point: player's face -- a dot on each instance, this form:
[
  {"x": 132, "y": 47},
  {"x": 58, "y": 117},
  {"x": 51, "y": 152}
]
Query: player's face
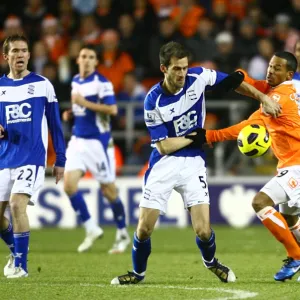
[
  {"x": 17, "y": 56},
  {"x": 176, "y": 72},
  {"x": 277, "y": 71},
  {"x": 87, "y": 61}
]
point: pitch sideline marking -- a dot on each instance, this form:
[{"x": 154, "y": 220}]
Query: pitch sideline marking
[{"x": 236, "y": 294}]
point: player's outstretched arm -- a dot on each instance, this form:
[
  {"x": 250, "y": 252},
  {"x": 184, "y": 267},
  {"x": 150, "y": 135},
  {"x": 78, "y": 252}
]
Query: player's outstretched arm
[
  {"x": 97, "y": 107},
  {"x": 170, "y": 145},
  {"x": 232, "y": 132}
]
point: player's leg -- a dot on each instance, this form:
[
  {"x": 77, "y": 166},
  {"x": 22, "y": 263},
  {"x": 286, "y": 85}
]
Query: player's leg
[
  {"x": 6, "y": 229},
  {"x": 205, "y": 240},
  {"x": 109, "y": 191},
  {"x": 141, "y": 247},
  {"x": 7, "y": 235},
  {"x": 93, "y": 231},
  {"x": 291, "y": 215},
  {"x": 159, "y": 182},
  {"x": 263, "y": 203},
  {"x": 18, "y": 205}
]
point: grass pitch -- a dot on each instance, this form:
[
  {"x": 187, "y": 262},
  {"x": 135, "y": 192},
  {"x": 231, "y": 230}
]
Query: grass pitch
[{"x": 175, "y": 270}]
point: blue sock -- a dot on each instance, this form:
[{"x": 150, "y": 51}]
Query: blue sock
[
  {"x": 119, "y": 213},
  {"x": 7, "y": 236},
  {"x": 21, "y": 249},
  {"x": 79, "y": 206},
  {"x": 140, "y": 254},
  {"x": 207, "y": 248}
]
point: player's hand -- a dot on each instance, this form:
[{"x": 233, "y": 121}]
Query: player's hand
[
  {"x": 67, "y": 115},
  {"x": 78, "y": 99},
  {"x": 1, "y": 132},
  {"x": 58, "y": 172},
  {"x": 198, "y": 137},
  {"x": 270, "y": 107}
]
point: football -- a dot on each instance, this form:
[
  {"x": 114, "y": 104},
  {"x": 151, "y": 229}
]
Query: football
[{"x": 254, "y": 140}]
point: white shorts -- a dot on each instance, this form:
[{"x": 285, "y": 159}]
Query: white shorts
[
  {"x": 89, "y": 154},
  {"x": 285, "y": 189},
  {"x": 23, "y": 180},
  {"x": 186, "y": 175}
]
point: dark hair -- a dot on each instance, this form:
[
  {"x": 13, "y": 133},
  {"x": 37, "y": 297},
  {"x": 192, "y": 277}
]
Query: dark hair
[
  {"x": 172, "y": 49},
  {"x": 291, "y": 60},
  {"x": 90, "y": 47},
  {"x": 11, "y": 39}
]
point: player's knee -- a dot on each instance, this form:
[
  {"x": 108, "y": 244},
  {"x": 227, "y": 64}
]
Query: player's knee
[
  {"x": 109, "y": 191},
  {"x": 203, "y": 232},
  {"x": 291, "y": 220},
  {"x": 144, "y": 232},
  {"x": 70, "y": 188},
  {"x": 260, "y": 201},
  {"x": 16, "y": 208}
]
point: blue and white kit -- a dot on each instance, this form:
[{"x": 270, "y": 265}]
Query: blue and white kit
[
  {"x": 28, "y": 108},
  {"x": 168, "y": 116},
  {"x": 91, "y": 145}
]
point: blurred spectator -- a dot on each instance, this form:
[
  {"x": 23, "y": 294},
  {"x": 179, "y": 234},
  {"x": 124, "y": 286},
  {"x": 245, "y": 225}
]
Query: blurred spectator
[
  {"x": 261, "y": 23},
  {"x": 294, "y": 13},
  {"x": 34, "y": 12},
  {"x": 130, "y": 41},
  {"x": 281, "y": 30},
  {"x": 221, "y": 17},
  {"x": 114, "y": 62},
  {"x": 68, "y": 19},
  {"x": 163, "y": 8},
  {"x": 145, "y": 18},
  {"x": 62, "y": 90},
  {"x": 132, "y": 92},
  {"x": 89, "y": 31},
  {"x": 226, "y": 59},
  {"x": 67, "y": 64},
  {"x": 84, "y": 7},
  {"x": 39, "y": 56},
  {"x": 186, "y": 16},
  {"x": 106, "y": 15},
  {"x": 202, "y": 45},
  {"x": 258, "y": 65},
  {"x": 246, "y": 42},
  {"x": 167, "y": 32},
  {"x": 12, "y": 25},
  {"x": 52, "y": 39}
]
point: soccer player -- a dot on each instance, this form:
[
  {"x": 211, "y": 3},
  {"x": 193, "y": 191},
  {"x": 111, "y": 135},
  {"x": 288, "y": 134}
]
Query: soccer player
[
  {"x": 174, "y": 108},
  {"x": 28, "y": 106},
  {"x": 284, "y": 188},
  {"x": 91, "y": 148}
]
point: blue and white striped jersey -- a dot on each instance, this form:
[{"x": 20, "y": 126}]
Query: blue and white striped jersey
[
  {"x": 89, "y": 124},
  {"x": 179, "y": 114},
  {"x": 27, "y": 107}
]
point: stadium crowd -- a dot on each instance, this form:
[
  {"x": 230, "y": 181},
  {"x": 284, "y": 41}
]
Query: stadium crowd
[{"x": 220, "y": 34}]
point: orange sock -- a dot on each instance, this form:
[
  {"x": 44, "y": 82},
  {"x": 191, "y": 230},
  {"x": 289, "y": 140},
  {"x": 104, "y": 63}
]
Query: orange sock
[
  {"x": 277, "y": 225},
  {"x": 296, "y": 231}
]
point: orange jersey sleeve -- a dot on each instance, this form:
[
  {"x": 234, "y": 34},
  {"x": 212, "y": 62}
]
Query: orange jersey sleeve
[
  {"x": 261, "y": 85},
  {"x": 232, "y": 132}
]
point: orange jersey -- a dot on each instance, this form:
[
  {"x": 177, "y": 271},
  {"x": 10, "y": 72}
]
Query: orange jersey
[{"x": 284, "y": 130}]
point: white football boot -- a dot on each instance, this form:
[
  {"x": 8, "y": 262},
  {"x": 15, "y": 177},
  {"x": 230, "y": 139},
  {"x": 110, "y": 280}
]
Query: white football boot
[
  {"x": 18, "y": 273},
  {"x": 121, "y": 243},
  {"x": 9, "y": 268},
  {"x": 90, "y": 238}
]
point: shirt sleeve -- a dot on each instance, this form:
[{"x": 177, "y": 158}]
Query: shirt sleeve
[
  {"x": 54, "y": 124},
  {"x": 261, "y": 85},
  {"x": 156, "y": 127},
  {"x": 106, "y": 93},
  {"x": 232, "y": 132}
]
